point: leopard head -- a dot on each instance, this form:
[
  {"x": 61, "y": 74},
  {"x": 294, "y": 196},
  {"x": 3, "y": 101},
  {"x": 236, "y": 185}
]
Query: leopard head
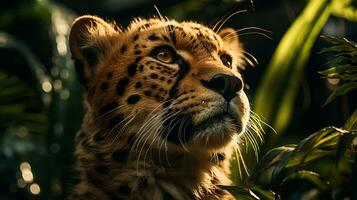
[{"x": 161, "y": 82}]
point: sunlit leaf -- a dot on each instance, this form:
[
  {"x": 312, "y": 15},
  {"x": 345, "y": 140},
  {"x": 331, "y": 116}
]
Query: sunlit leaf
[
  {"x": 270, "y": 159},
  {"x": 351, "y": 123},
  {"x": 276, "y": 95},
  {"x": 251, "y": 192},
  {"x": 345, "y": 9},
  {"x": 263, "y": 194}
]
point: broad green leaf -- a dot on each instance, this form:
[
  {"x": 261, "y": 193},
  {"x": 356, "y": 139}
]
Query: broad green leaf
[{"x": 276, "y": 94}]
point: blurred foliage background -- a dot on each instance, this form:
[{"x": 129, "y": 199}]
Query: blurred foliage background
[{"x": 41, "y": 100}]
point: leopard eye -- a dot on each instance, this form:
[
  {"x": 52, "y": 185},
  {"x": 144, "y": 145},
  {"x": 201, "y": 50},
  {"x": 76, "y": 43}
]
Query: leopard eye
[
  {"x": 226, "y": 60},
  {"x": 164, "y": 55}
]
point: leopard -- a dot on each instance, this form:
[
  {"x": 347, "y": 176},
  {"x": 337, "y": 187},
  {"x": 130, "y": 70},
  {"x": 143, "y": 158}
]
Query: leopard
[{"x": 165, "y": 108}]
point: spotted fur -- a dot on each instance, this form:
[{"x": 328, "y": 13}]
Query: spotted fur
[{"x": 155, "y": 129}]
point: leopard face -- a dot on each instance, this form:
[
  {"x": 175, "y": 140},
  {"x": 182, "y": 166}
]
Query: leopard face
[{"x": 160, "y": 83}]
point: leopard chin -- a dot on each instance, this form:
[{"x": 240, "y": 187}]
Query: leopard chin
[{"x": 215, "y": 132}]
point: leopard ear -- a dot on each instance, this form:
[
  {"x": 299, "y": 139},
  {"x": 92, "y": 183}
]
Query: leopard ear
[
  {"x": 230, "y": 38},
  {"x": 89, "y": 39}
]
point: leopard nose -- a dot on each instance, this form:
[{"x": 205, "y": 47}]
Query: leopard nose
[{"x": 225, "y": 85}]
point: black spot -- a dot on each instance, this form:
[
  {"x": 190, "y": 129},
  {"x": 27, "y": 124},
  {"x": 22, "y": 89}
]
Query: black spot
[
  {"x": 147, "y": 93},
  {"x": 102, "y": 169},
  {"x": 138, "y": 84},
  {"x": 166, "y": 38},
  {"x": 138, "y": 59},
  {"x": 98, "y": 136},
  {"x": 91, "y": 57},
  {"x": 153, "y": 37},
  {"x": 86, "y": 145},
  {"x": 109, "y": 75},
  {"x": 79, "y": 67},
  {"x": 108, "y": 108},
  {"x": 136, "y": 37},
  {"x": 122, "y": 83},
  {"x": 162, "y": 78},
  {"x": 214, "y": 180},
  {"x": 154, "y": 76},
  {"x": 120, "y": 155},
  {"x": 81, "y": 135},
  {"x": 124, "y": 189},
  {"x": 136, "y": 46},
  {"x": 141, "y": 67},
  {"x": 104, "y": 86},
  {"x": 158, "y": 97},
  {"x": 221, "y": 156},
  {"x": 115, "y": 121},
  {"x": 92, "y": 177},
  {"x": 123, "y": 49},
  {"x": 74, "y": 196},
  {"x": 153, "y": 86},
  {"x": 133, "y": 99},
  {"x": 136, "y": 52},
  {"x": 132, "y": 69},
  {"x": 100, "y": 156},
  {"x": 88, "y": 195},
  {"x": 131, "y": 139},
  {"x": 169, "y": 81},
  {"x": 143, "y": 183}
]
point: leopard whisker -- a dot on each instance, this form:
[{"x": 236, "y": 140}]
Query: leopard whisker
[
  {"x": 143, "y": 133},
  {"x": 223, "y": 21},
  {"x": 256, "y": 33},
  {"x": 107, "y": 113}
]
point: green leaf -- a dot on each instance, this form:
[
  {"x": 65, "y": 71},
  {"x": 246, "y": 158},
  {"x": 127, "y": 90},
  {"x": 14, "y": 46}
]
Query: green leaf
[
  {"x": 342, "y": 67},
  {"x": 339, "y": 69},
  {"x": 269, "y": 160},
  {"x": 341, "y": 90},
  {"x": 345, "y": 9},
  {"x": 263, "y": 194},
  {"x": 251, "y": 192},
  {"x": 351, "y": 123},
  {"x": 310, "y": 176},
  {"x": 276, "y": 94},
  {"x": 323, "y": 138}
]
